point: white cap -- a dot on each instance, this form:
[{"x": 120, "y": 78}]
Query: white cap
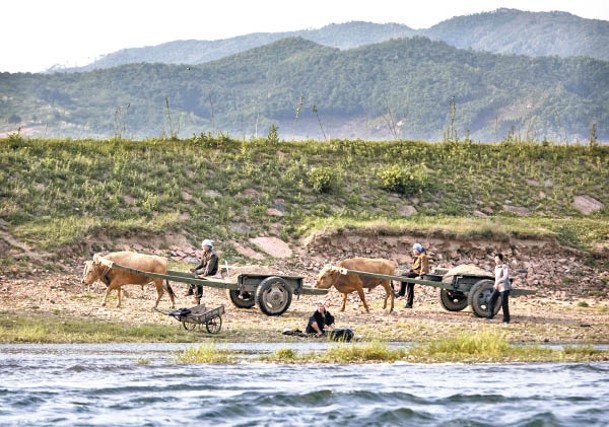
[{"x": 207, "y": 242}]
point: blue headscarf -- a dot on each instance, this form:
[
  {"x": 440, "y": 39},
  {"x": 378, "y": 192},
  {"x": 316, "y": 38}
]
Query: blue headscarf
[{"x": 418, "y": 247}]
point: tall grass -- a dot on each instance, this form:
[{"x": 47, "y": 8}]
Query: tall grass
[{"x": 204, "y": 353}]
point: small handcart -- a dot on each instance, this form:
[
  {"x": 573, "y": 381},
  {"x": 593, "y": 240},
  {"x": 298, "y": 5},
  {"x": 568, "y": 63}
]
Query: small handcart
[{"x": 197, "y": 316}]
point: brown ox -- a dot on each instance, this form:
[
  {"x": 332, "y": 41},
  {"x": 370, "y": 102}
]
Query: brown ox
[
  {"x": 353, "y": 282},
  {"x": 100, "y": 268}
]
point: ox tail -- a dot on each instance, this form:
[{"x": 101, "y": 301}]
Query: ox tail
[
  {"x": 395, "y": 293},
  {"x": 169, "y": 289}
]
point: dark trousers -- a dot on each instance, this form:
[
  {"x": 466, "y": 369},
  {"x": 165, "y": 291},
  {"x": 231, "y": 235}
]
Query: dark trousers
[
  {"x": 408, "y": 288},
  {"x": 505, "y": 306},
  {"x": 191, "y": 289}
]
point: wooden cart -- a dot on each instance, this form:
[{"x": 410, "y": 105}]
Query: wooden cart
[
  {"x": 463, "y": 290},
  {"x": 272, "y": 293}
]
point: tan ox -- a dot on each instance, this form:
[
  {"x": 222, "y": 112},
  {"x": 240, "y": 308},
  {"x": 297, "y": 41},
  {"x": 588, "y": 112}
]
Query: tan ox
[
  {"x": 114, "y": 278},
  {"x": 353, "y": 282}
]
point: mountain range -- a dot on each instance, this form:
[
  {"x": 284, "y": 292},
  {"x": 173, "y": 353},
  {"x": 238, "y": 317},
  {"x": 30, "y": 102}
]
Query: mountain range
[
  {"x": 505, "y": 31},
  {"x": 357, "y": 80}
]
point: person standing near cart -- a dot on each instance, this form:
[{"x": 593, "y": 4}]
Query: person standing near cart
[
  {"x": 502, "y": 288},
  {"x": 420, "y": 267},
  {"x": 207, "y": 267}
]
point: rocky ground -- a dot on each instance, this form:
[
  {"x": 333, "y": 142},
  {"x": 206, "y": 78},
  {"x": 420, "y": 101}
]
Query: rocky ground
[{"x": 570, "y": 305}]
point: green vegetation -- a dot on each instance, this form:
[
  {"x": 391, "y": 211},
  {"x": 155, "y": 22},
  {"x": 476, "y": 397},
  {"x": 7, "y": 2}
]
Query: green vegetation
[
  {"x": 423, "y": 85},
  {"x": 406, "y": 180},
  {"x": 323, "y": 179},
  {"x": 204, "y": 353},
  {"x": 55, "y": 193},
  {"x": 54, "y": 329},
  {"x": 492, "y": 346},
  {"x": 485, "y": 346}
]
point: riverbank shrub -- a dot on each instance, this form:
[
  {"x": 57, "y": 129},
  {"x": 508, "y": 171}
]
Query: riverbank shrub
[
  {"x": 407, "y": 180},
  {"x": 373, "y": 351},
  {"x": 204, "y": 353},
  {"x": 323, "y": 179}
]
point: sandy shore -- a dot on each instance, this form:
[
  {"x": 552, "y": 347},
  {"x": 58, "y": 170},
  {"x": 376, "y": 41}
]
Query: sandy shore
[{"x": 535, "y": 319}]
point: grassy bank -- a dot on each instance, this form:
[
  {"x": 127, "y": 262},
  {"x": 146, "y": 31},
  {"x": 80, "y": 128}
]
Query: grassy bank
[
  {"x": 40, "y": 328},
  {"x": 54, "y": 193},
  {"x": 482, "y": 347}
]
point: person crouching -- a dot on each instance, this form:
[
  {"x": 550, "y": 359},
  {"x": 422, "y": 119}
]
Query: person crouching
[{"x": 320, "y": 321}]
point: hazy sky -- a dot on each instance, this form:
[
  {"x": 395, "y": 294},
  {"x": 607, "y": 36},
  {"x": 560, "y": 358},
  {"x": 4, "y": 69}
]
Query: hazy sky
[{"x": 37, "y": 34}]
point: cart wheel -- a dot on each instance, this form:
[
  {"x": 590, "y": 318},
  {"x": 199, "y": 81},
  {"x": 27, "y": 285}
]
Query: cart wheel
[
  {"x": 241, "y": 299},
  {"x": 214, "y": 324},
  {"x": 479, "y": 297},
  {"x": 189, "y": 326},
  {"x": 453, "y": 300},
  {"x": 274, "y": 296}
]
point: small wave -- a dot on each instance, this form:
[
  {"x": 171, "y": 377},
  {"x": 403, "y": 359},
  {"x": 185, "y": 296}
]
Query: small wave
[
  {"x": 540, "y": 420},
  {"x": 587, "y": 367},
  {"x": 475, "y": 398},
  {"x": 289, "y": 399}
]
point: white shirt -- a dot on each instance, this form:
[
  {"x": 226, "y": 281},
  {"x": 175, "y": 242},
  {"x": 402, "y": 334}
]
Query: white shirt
[{"x": 502, "y": 278}]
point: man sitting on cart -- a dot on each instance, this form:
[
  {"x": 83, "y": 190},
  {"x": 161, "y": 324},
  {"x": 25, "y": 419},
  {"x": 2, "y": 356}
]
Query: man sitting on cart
[
  {"x": 207, "y": 267},
  {"x": 420, "y": 266}
]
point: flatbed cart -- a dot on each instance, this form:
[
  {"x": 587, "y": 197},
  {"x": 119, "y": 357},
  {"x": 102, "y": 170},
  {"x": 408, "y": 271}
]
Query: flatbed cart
[
  {"x": 272, "y": 293},
  {"x": 463, "y": 290}
]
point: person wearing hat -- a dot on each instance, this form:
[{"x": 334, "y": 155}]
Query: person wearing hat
[
  {"x": 207, "y": 267},
  {"x": 420, "y": 267},
  {"x": 320, "y": 321}
]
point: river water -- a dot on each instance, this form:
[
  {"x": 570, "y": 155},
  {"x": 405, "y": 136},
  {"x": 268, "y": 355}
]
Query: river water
[{"x": 104, "y": 384}]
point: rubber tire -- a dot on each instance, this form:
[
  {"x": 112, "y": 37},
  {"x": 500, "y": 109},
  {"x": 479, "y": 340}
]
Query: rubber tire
[
  {"x": 448, "y": 297},
  {"x": 273, "y": 296},
  {"x": 479, "y": 296},
  {"x": 214, "y": 324},
  {"x": 240, "y": 302}
]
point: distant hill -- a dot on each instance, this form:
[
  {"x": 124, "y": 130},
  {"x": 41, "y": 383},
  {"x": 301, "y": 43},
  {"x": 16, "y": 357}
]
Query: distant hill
[
  {"x": 508, "y": 31},
  {"x": 526, "y": 33},
  {"x": 342, "y": 36},
  {"x": 403, "y": 88}
]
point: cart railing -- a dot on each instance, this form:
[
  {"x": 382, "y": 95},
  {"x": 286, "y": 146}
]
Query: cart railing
[
  {"x": 424, "y": 282},
  {"x": 177, "y": 276},
  {"x": 184, "y": 277}
]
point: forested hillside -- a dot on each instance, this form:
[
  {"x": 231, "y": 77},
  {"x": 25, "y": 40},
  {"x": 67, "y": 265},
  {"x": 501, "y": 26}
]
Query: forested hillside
[
  {"x": 342, "y": 36},
  {"x": 526, "y": 33},
  {"x": 405, "y": 88},
  {"x": 503, "y": 31}
]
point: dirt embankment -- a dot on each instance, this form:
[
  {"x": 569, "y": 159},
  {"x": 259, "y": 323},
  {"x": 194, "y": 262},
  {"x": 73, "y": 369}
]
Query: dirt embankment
[{"x": 561, "y": 277}]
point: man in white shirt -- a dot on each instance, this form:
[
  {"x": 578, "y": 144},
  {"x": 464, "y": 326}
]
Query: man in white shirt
[{"x": 502, "y": 288}]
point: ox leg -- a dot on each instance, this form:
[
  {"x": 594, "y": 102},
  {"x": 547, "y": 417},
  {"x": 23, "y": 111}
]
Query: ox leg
[
  {"x": 389, "y": 294},
  {"x": 344, "y": 301},
  {"x": 159, "y": 291},
  {"x": 109, "y": 289},
  {"x": 360, "y": 292}
]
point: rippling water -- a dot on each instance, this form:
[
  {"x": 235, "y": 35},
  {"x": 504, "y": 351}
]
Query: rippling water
[{"x": 105, "y": 385}]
